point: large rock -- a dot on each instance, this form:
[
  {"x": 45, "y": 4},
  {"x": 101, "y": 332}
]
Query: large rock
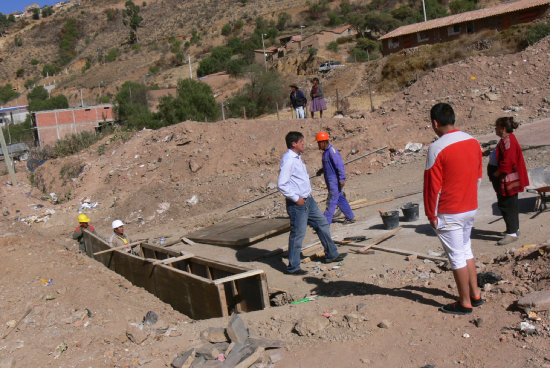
[
  {"x": 136, "y": 334},
  {"x": 236, "y": 330},
  {"x": 538, "y": 300},
  {"x": 214, "y": 334},
  {"x": 184, "y": 360},
  {"x": 310, "y": 325}
]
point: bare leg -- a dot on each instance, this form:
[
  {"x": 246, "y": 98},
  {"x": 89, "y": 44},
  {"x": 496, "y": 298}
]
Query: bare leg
[
  {"x": 461, "y": 278},
  {"x": 321, "y": 114},
  {"x": 475, "y": 291},
  {"x": 312, "y": 114},
  {"x": 466, "y": 282}
]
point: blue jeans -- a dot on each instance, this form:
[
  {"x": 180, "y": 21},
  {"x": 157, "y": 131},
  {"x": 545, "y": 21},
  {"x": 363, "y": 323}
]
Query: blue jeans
[
  {"x": 337, "y": 198},
  {"x": 300, "y": 217}
]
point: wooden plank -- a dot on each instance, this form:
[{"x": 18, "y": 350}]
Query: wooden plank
[
  {"x": 364, "y": 248},
  {"x": 238, "y": 276},
  {"x": 389, "y": 199},
  {"x": 240, "y": 231},
  {"x": 172, "y": 259},
  {"x": 118, "y": 248},
  {"x": 410, "y": 253},
  {"x": 163, "y": 250}
]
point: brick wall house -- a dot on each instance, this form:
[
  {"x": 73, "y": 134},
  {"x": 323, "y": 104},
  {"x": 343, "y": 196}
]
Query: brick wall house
[{"x": 444, "y": 29}]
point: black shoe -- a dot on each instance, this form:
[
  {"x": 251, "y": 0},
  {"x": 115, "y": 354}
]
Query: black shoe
[
  {"x": 455, "y": 308},
  {"x": 477, "y": 302},
  {"x": 349, "y": 221},
  {"x": 299, "y": 272},
  {"x": 338, "y": 258}
]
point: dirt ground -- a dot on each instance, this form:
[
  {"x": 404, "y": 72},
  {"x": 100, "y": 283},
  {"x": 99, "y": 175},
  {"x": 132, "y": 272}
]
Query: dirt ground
[{"x": 148, "y": 182}]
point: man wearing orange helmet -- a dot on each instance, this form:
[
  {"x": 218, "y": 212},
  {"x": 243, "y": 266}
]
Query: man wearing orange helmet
[
  {"x": 335, "y": 178},
  {"x": 78, "y": 233}
]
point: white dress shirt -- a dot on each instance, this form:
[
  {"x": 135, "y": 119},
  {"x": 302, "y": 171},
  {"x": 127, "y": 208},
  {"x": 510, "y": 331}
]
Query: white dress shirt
[{"x": 293, "y": 177}]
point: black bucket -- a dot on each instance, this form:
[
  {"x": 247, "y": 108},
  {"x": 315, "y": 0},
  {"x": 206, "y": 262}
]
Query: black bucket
[
  {"x": 390, "y": 219},
  {"x": 410, "y": 211}
]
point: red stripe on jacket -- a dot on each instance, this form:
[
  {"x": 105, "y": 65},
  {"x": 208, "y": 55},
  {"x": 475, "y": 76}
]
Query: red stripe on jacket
[{"x": 453, "y": 170}]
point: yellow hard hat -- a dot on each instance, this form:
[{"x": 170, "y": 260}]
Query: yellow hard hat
[{"x": 83, "y": 218}]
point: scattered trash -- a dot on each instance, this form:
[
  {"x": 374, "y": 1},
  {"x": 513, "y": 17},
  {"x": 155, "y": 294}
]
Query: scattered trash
[
  {"x": 150, "y": 318},
  {"x": 221, "y": 357},
  {"x": 163, "y": 207},
  {"x": 304, "y": 300},
  {"x": 53, "y": 197},
  {"x": 527, "y": 328},
  {"x": 44, "y": 216},
  {"x": 86, "y": 204},
  {"x": 413, "y": 147},
  {"x": 466, "y": 335},
  {"x": 336, "y": 267},
  {"x": 47, "y": 282},
  {"x": 533, "y": 316},
  {"x": 473, "y": 77},
  {"x": 193, "y": 200},
  {"x": 162, "y": 240},
  {"x": 328, "y": 315},
  {"x": 60, "y": 349},
  {"x": 50, "y": 297}
]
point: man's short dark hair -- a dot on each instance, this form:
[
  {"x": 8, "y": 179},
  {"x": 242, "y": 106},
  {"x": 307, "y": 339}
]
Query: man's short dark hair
[
  {"x": 443, "y": 113},
  {"x": 293, "y": 137}
]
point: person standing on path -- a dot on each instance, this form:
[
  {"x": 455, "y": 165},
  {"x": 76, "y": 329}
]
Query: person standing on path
[
  {"x": 335, "y": 179},
  {"x": 78, "y": 233},
  {"x": 511, "y": 175},
  {"x": 451, "y": 180},
  {"x": 318, "y": 102},
  {"x": 298, "y": 101},
  {"x": 294, "y": 184}
]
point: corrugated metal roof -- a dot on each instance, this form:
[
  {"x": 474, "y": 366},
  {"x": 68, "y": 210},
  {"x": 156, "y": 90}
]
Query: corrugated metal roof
[{"x": 507, "y": 7}]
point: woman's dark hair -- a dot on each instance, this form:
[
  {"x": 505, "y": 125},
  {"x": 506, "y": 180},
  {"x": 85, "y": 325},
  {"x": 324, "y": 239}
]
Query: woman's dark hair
[
  {"x": 507, "y": 123},
  {"x": 315, "y": 79}
]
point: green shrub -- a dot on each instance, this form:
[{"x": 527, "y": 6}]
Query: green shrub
[
  {"x": 71, "y": 145},
  {"x": 111, "y": 14},
  {"x": 34, "y": 62},
  {"x": 86, "y": 66},
  {"x": 334, "y": 19},
  {"x": 31, "y": 82},
  {"x": 111, "y": 55},
  {"x": 461, "y": 6},
  {"x": 104, "y": 99},
  {"x": 312, "y": 51},
  {"x": 333, "y": 46},
  {"x": 68, "y": 41},
  {"x": 367, "y": 44},
  {"x": 357, "y": 54},
  {"x": 154, "y": 69},
  {"x": 194, "y": 101},
  {"x": 226, "y": 29},
  {"x": 282, "y": 20},
  {"x": 20, "y": 72},
  {"x": 49, "y": 70},
  {"x": 538, "y": 32},
  {"x": 18, "y": 41},
  {"x": 22, "y": 132},
  {"x": 260, "y": 96},
  {"x": 136, "y": 46}
]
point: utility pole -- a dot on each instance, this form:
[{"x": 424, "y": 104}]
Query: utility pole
[
  {"x": 301, "y": 36},
  {"x": 424, "y": 9},
  {"x": 190, "y": 70},
  {"x": 7, "y": 158},
  {"x": 263, "y": 46},
  {"x": 81, "y": 100}
]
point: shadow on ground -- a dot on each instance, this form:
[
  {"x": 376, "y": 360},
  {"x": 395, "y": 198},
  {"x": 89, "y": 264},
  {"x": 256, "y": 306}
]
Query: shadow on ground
[{"x": 343, "y": 288}]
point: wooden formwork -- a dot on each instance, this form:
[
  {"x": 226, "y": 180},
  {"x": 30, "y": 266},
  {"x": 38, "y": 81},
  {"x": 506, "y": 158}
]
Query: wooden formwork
[{"x": 196, "y": 286}]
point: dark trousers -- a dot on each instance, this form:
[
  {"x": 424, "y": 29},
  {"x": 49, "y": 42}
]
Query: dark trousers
[{"x": 508, "y": 206}]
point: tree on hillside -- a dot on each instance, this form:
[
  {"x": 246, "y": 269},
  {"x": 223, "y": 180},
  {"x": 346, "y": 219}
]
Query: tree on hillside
[
  {"x": 435, "y": 10},
  {"x": 67, "y": 44},
  {"x": 47, "y": 11},
  {"x": 7, "y": 93},
  {"x": 461, "y": 6},
  {"x": 132, "y": 19},
  {"x": 36, "y": 14},
  {"x": 194, "y": 101},
  {"x": 357, "y": 22},
  {"x": 39, "y": 100}
]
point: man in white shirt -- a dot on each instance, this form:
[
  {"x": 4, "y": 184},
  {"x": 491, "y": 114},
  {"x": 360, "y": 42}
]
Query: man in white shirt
[{"x": 301, "y": 207}]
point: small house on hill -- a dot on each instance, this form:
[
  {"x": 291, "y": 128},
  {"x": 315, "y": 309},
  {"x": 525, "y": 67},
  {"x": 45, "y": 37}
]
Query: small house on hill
[
  {"x": 52, "y": 125},
  {"x": 271, "y": 54},
  {"x": 445, "y": 29}
]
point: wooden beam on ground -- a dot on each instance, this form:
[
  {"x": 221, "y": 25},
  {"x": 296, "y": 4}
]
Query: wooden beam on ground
[
  {"x": 119, "y": 248},
  {"x": 238, "y": 276},
  {"x": 172, "y": 259},
  {"x": 389, "y": 199},
  {"x": 364, "y": 248},
  {"x": 27, "y": 312},
  {"x": 410, "y": 253}
]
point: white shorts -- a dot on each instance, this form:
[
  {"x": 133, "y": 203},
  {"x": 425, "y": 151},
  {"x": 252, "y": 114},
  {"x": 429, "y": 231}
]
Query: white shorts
[{"x": 454, "y": 232}]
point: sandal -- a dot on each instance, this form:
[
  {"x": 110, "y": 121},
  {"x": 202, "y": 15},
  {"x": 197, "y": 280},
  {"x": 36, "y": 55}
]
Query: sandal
[
  {"x": 477, "y": 302},
  {"x": 455, "y": 308}
]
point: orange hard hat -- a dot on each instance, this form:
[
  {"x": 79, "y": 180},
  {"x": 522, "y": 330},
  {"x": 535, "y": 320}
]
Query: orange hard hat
[{"x": 321, "y": 136}]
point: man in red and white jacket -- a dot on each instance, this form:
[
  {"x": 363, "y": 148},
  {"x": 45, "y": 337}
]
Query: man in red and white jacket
[{"x": 451, "y": 181}]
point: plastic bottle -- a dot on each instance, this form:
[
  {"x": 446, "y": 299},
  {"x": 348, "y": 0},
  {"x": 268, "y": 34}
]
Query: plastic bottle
[{"x": 162, "y": 240}]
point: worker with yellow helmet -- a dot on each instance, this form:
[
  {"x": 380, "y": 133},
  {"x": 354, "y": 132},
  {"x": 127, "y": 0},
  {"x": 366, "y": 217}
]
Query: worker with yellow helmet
[{"x": 78, "y": 233}]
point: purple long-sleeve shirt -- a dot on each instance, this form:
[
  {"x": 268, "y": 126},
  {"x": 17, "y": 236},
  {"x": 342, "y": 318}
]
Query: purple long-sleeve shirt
[{"x": 333, "y": 168}]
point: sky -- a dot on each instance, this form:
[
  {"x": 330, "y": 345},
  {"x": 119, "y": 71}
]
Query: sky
[{"x": 9, "y": 6}]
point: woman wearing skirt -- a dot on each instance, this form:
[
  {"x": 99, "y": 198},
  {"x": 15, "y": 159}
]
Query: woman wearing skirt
[{"x": 317, "y": 99}]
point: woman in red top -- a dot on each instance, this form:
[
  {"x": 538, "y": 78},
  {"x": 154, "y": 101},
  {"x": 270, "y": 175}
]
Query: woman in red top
[{"x": 512, "y": 176}]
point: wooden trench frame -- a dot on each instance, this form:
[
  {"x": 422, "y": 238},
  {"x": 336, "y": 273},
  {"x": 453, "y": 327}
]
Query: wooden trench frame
[{"x": 196, "y": 286}]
